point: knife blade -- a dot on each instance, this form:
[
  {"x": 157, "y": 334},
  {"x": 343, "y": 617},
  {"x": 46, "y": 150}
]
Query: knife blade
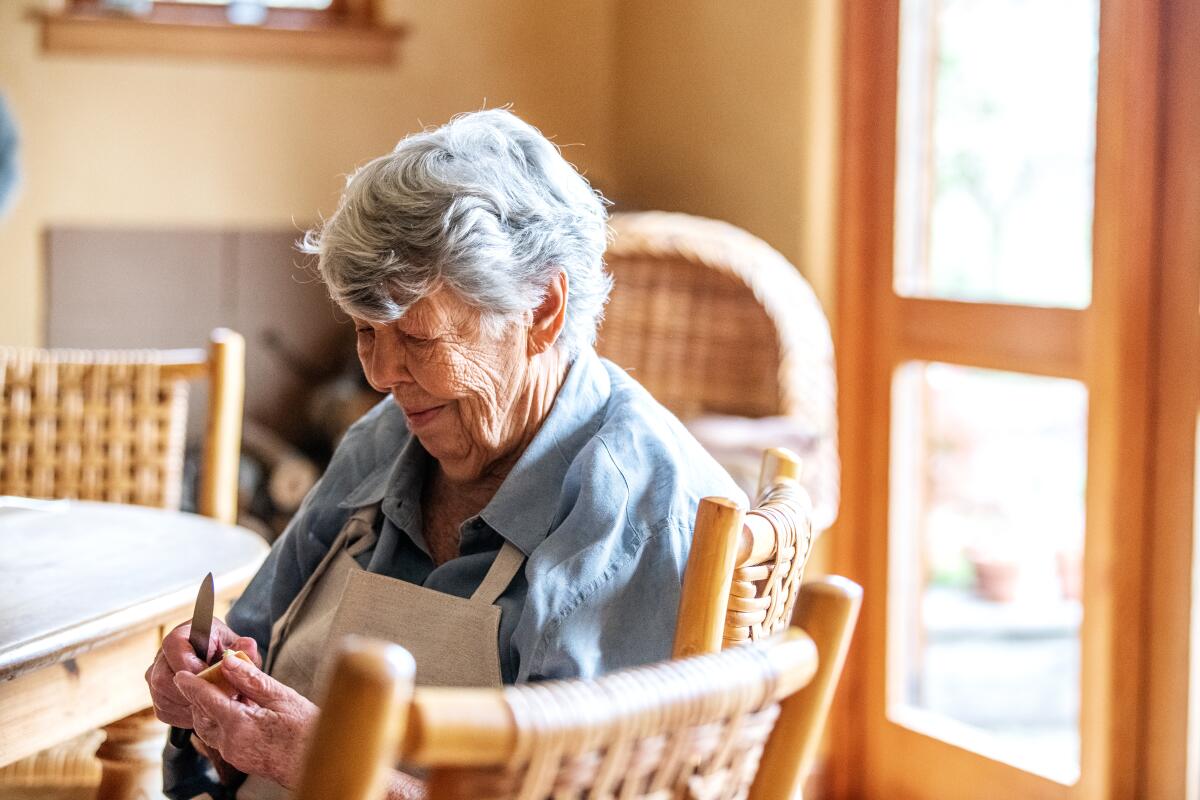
[
  {"x": 202, "y": 616},
  {"x": 198, "y": 638}
]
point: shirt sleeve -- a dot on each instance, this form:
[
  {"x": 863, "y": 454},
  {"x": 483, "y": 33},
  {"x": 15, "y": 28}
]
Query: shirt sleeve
[{"x": 627, "y": 618}]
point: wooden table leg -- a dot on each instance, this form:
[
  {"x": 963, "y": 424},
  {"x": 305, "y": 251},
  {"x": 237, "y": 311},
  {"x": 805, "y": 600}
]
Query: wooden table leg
[{"x": 131, "y": 758}]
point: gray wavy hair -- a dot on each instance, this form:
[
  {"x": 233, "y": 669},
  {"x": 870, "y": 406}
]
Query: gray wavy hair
[{"x": 485, "y": 205}]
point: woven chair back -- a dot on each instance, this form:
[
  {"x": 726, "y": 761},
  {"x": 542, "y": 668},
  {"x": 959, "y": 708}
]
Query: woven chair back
[
  {"x": 109, "y": 425},
  {"x": 713, "y": 320},
  {"x": 692, "y": 729},
  {"x": 763, "y": 592},
  {"x": 91, "y": 426},
  {"x": 695, "y": 338},
  {"x": 744, "y": 570}
]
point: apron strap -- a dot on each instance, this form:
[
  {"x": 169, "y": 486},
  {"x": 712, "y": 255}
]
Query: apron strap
[
  {"x": 360, "y": 530},
  {"x": 355, "y": 536},
  {"x": 506, "y": 566}
]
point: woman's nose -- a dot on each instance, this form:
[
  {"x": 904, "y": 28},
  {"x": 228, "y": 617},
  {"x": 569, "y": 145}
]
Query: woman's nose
[{"x": 389, "y": 361}]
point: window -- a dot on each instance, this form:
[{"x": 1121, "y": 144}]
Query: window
[
  {"x": 1018, "y": 341},
  {"x": 299, "y": 30},
  {"x": 995, "y": 150},
  {"x": 987, "y": 533}
]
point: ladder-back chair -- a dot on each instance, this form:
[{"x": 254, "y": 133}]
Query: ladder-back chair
[
  {"x": 109, "y": 425},
  {"x": 714, "y": 321},
  {"x": 743, "y": 583},
  {"x": 719, "y": 725}
]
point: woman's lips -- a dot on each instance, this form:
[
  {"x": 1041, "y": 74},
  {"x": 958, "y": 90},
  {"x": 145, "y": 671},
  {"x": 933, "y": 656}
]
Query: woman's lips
[{"x": 422, "y": 417}]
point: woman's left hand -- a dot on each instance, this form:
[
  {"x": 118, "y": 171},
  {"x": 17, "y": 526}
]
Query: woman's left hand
[{"x": 260, "y": 732}]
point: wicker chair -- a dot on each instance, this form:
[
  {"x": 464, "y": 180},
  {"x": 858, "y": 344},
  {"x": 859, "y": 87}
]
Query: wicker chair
[
  {"x": 743, "y": 584},
  {"x": 744, "y": 570},
  {"x": 713, "y": 321},
  {"x": 722, "y": 725},
  {"x": 109, "y": 426}
]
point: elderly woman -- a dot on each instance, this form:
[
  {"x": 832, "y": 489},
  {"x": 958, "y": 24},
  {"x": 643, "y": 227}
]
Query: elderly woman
[{"x": 516, "y": 509}]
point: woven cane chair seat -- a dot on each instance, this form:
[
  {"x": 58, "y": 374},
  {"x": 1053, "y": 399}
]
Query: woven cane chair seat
[{"x": 713, "y": 321}]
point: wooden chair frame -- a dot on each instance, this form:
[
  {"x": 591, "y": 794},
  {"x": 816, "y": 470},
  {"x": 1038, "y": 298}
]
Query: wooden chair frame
[
  {"x": 372, "y": 717},
  {"x": 728, "y": 540}
]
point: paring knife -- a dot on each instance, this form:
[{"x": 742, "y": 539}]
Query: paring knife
[{"x": 202, "y": 617}]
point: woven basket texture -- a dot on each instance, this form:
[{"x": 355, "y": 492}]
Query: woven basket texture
[
  {"x": 688, "y": 729},
  {"x": 763, "y": 595},
  {"x": 91, "y": 425},
  {"x": 713, "y": 320}
]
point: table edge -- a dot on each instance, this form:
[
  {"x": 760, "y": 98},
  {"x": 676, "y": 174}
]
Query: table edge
[{"x": 170, "y": 608}]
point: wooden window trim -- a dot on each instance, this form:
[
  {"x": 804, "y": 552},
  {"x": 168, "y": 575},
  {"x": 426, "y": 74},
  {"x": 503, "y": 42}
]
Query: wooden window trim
[
  {"x": 1136, "y": 349},
  {"x": 347, "y": 32},
  {"x": 1039, "y": 341},
  {"x": 1170, "y": 763}
]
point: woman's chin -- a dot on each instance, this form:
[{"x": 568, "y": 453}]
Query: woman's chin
[
  {"x": 458, "y": 466},
  {"x": 439, "y": 445}
]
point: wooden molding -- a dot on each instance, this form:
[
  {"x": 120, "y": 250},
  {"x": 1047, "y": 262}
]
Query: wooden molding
[
  {"x": 336, "y": 39},
  {"x": 1039, "y": 341}
]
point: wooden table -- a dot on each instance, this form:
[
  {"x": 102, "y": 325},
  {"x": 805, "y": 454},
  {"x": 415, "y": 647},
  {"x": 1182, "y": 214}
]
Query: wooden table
[{"x": 87, "y": 591}]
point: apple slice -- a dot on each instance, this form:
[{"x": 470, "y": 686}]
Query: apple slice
[{"x": 214, "y": 675}]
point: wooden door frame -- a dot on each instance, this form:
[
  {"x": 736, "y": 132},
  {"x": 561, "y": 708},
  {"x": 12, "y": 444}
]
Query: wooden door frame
[
  {"x": 1163, "y": 733},
  {"x": 1144, "y": 243}
]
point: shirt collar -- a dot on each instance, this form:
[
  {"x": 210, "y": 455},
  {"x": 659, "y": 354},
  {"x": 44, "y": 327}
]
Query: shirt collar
[
  {"x": 403, "y": 475},
  {"x": 523, "y": 508}
]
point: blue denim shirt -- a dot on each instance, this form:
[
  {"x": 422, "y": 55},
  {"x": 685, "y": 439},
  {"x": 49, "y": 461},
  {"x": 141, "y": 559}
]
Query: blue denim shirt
[{"x": 602, "y": 503}]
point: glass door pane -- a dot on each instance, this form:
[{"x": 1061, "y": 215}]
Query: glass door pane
[
  {"x": 995, "y": 150},
  {"x": 987, "y": 528}
]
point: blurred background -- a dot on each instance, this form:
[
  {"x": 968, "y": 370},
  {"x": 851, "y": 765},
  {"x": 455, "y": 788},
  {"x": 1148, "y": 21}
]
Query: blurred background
[{"x": 996, "y": 202}]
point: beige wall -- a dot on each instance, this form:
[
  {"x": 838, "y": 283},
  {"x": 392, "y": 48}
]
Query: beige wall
[
  {"x": 729, "y": 110},
  {"x": 148, "y": 142},
  {"x": 712, "y": 107}
]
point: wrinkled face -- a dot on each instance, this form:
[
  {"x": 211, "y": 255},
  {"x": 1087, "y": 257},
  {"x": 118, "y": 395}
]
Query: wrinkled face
[{"x": 456, "y": 381}]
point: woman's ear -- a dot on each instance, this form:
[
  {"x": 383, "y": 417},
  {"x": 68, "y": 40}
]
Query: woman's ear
[{"x": 550, "y": 316}]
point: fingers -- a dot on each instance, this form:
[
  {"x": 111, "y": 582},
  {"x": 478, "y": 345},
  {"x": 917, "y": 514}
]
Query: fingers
[
  {"x": 178, "y": 651},
  {"x": 223, "y": 638},
  {"x": 179, "y": 716},
  {"x": 169, "y": 705},
  {"x": 250, "y": 647},
  {"x": 252, "y": 683},
  {"x": 176, "y": 657},
  {"x": 213, "y": 715},
  {"x": 207, "y": 728}
]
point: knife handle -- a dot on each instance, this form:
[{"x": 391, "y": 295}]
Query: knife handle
[{"x": 179, "y": 736}]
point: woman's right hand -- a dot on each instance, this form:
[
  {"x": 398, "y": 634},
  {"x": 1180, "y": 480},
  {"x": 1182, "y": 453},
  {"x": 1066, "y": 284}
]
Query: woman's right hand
[{"x": 177, "y": 655}]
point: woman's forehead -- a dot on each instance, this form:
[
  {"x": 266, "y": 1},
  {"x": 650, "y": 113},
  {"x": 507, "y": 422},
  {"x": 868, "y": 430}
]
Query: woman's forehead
[{"x": 441, "y": 310}]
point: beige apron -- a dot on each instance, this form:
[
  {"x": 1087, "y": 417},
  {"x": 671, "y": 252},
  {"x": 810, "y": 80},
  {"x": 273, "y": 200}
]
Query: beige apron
[{"x": 455, "y": 642}]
